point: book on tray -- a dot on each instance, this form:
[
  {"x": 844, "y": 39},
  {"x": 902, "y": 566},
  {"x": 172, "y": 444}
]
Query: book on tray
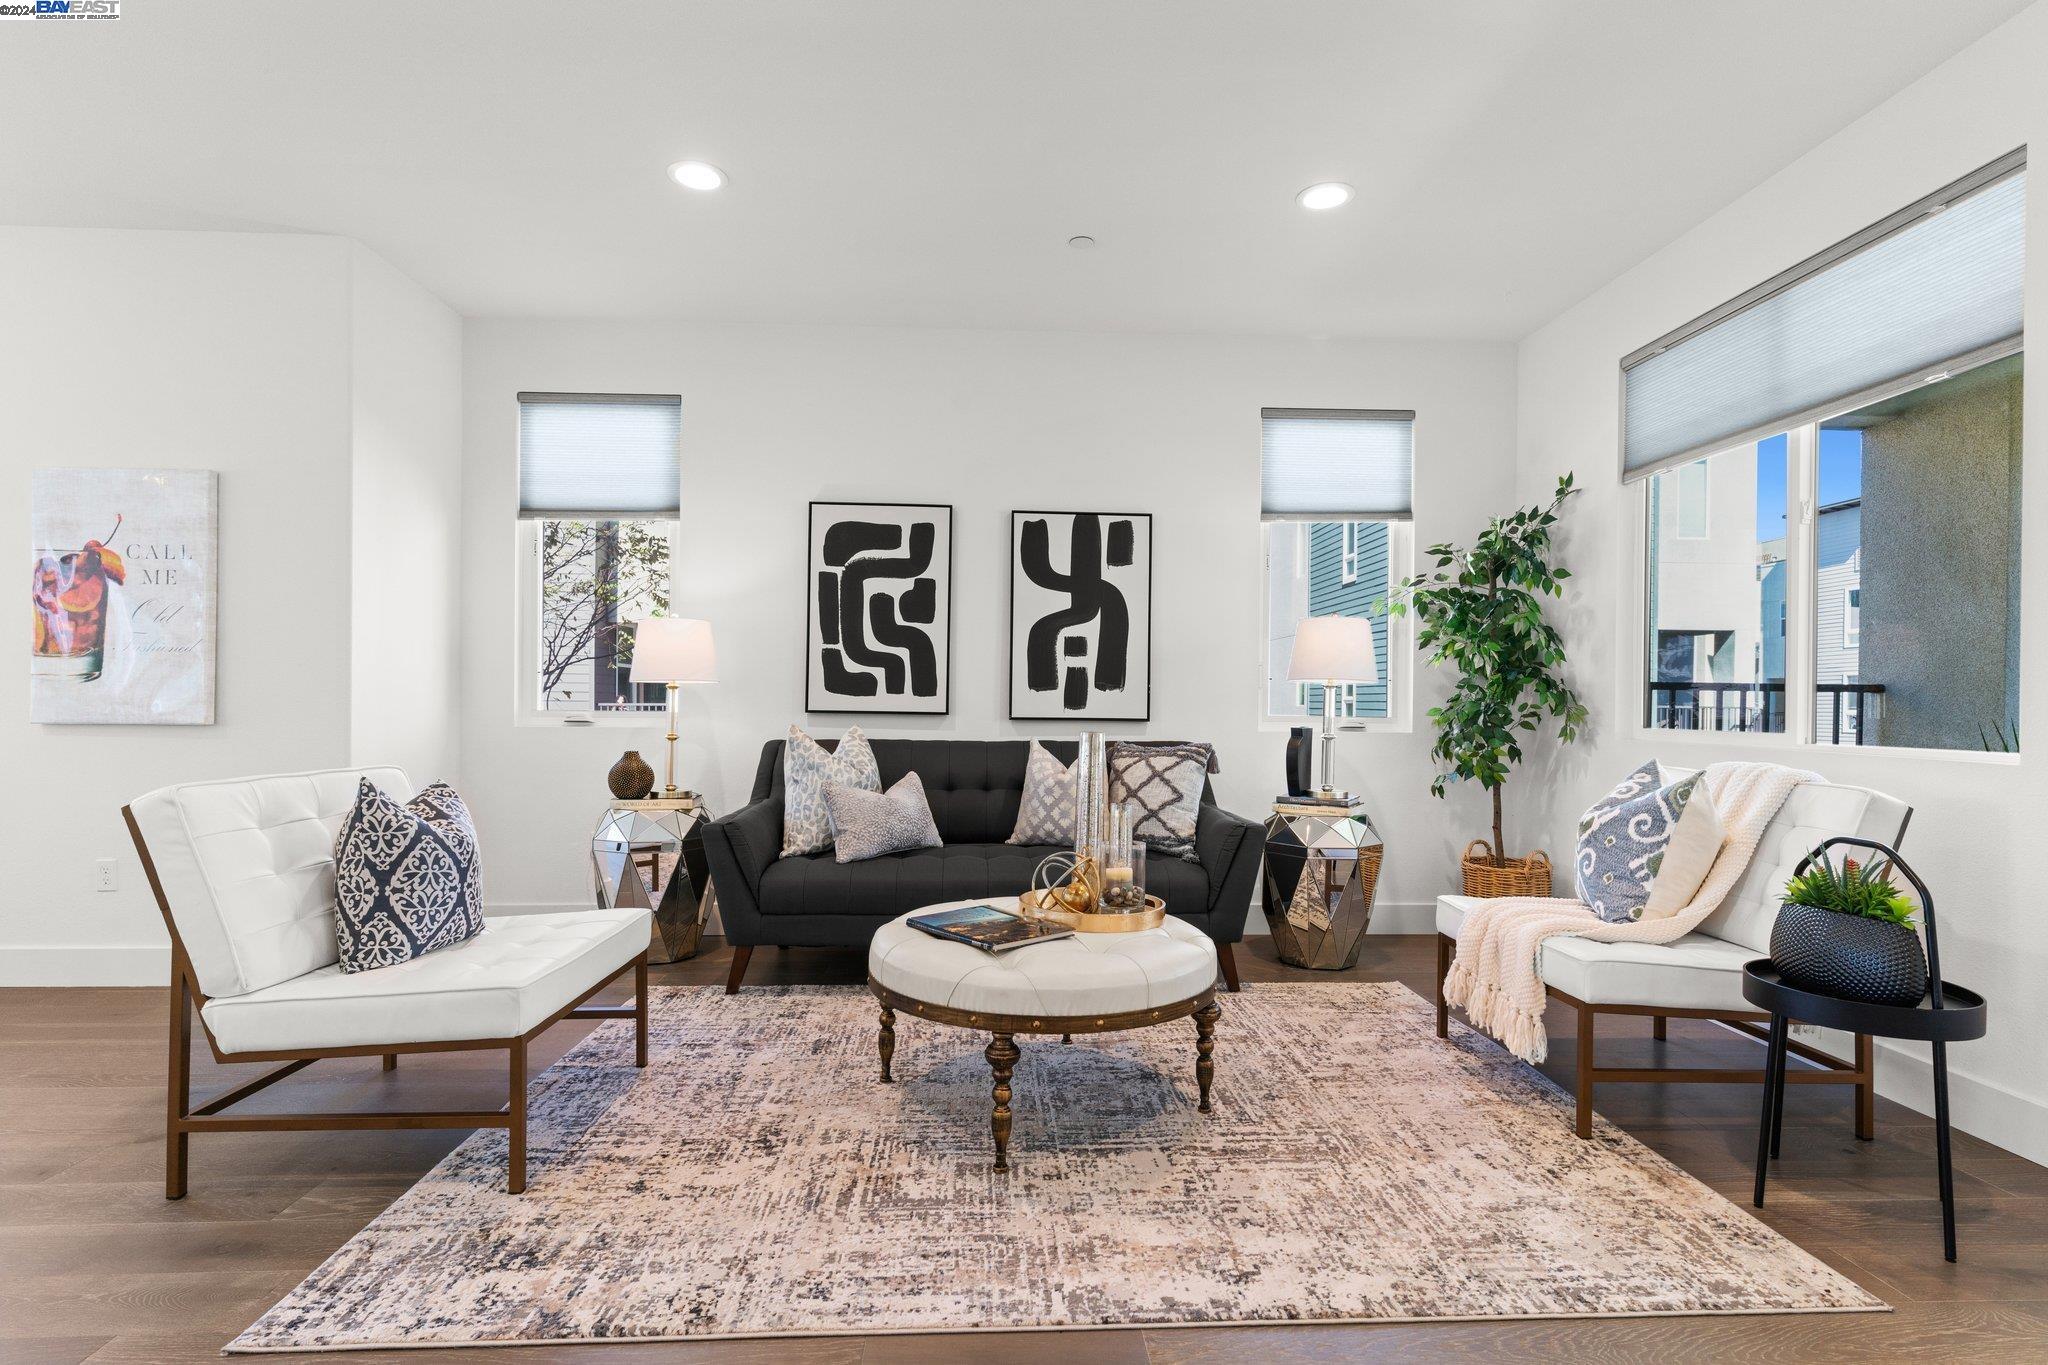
[{"x": 987, "y": 928}]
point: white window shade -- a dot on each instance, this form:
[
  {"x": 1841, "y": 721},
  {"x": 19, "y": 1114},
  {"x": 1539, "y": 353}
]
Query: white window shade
[
  {"x": 1936, "y": 284},
  {"x": 600, "y": 456},
  {"x": 1329, "y": 464}
]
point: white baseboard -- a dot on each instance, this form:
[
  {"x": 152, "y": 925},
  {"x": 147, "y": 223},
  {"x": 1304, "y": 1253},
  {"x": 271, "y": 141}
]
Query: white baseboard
[
  {"x": 1981, "y": 1108},
  {"x": 86, "y": 964}
]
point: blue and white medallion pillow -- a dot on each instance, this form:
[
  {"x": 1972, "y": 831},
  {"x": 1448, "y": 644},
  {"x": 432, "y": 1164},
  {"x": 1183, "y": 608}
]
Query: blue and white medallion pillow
[
  {"x": 806, "y": 769},
  {"x": 407, "y": 877},
  {"x": 1638, "y": 845}
]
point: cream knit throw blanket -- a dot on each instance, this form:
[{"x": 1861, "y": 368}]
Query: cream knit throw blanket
[{"x": 1494, "y": 975}]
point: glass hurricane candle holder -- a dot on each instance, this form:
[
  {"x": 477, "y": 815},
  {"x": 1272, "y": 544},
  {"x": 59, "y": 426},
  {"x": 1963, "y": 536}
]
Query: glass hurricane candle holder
[{"x": 1123, "y": 865}]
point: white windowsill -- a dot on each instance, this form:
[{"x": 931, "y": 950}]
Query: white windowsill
[
  {"x": 1778, "y": 744},
  {"x": 1390, "y": 725},
  {"x": 592, "y": 720}
]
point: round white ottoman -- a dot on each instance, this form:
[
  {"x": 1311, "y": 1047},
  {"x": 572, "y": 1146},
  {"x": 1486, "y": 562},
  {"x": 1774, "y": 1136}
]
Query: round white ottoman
[{"x": 1090, "y": 983}]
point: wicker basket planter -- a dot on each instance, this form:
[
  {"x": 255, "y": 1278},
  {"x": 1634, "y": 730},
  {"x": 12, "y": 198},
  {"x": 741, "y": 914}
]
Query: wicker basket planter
[{"x": 1489, "y": 877}]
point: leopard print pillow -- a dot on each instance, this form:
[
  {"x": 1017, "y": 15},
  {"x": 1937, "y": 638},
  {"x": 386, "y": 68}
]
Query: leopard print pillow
[{"x": 806, "y": 768}]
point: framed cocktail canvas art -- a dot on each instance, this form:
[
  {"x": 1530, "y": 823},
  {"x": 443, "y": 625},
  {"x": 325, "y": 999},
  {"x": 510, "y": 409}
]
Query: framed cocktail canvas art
[{"x": 122, "y": 596}]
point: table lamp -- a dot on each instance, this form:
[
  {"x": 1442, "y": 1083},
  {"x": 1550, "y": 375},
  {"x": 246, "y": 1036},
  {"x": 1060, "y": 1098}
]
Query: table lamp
[
  {"x": 673, "y": 650},
  {"x": 1332, "y": 650}
]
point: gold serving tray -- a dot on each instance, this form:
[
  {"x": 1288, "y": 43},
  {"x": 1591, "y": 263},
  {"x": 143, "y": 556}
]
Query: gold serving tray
[{"x": 1038, "y": 904}]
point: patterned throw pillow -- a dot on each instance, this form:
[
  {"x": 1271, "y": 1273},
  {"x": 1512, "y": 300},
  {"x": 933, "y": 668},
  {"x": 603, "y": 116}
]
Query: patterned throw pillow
[
  {"x": 1629, "y": 834},
  {"x": 1164, "y": 782},
  {"x": 867, "y": 824},
  {"x": 1046, "y": 814},
  {"x": 407, "y": 879},
  {"x": 806, "y": 768}
]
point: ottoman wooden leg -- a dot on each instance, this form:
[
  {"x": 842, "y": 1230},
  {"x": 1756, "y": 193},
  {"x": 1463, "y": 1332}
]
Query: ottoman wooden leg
[
  {"x": 1002, "y": 1057},
  {"x": 887, "y": 1042},
  {"x": 1205, "y": 1049}
]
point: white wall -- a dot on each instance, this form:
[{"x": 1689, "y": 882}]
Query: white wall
[
  {"x": 774, "y": 417},
  {"x": 1976, "y": 831},
  {"x": 184, "y": 350},
  {"x": 232, "y": 352},
  {"x": 406, "y": 425}
]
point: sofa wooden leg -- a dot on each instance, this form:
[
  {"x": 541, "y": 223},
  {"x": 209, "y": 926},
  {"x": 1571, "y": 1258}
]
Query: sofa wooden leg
[
  {"x": 640, "y": 1012},
  {"x": 178, "y": 1089},
  {"x": 1228, "y": 961},
  {"x": 1445, "y": 946},
  {"x": 1866, "y": 1088},
  {"x": 1585, "y": 1076},
  {"x": 391, "y": 1061},
  {"x": 1659, "y": 1027},
  {"x": 515, "y": 1128},
  {"x": 739, "y": 969}
]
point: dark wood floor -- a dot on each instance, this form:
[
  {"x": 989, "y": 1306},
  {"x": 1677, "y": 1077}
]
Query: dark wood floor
[{"x": 96, "y": 1265}]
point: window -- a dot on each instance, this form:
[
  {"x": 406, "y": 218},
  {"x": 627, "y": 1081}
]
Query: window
[
  {"x": 1305, "y": 576},
  {"x": 599, "y": 492},
  {"x": 1852, "y": 425},
  {"x": 1914, "y": 498},
  {"x": 1715, "y": 582},
  {"x": 1336, "y": 488}
]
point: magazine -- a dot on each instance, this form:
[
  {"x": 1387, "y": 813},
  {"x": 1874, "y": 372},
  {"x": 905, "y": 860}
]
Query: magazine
[{"x": 987, "y": 928}]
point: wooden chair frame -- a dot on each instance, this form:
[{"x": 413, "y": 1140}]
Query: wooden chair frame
[
  {"x": 1828, "y": 1070},
  {"x": 182, "y": 1118}
]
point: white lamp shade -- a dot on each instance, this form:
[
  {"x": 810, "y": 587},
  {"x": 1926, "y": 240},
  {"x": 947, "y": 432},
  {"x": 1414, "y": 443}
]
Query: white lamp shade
[
  {"x": 1333, "y": 649},
  {"x": 671, "y": 649}
]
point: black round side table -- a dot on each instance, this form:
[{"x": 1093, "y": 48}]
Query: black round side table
[{"x": 1946, "y": 1014}]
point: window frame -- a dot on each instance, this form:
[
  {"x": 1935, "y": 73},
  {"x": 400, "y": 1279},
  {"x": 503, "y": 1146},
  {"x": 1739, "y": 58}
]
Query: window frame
[
  {"x": 526, "y": 706},
  {"x": 1852, "y": 617},
  {"x": 1347, "y": 554},
  {"x": 1802, "y": 465},
  {"x": 1397, "y": 670}
]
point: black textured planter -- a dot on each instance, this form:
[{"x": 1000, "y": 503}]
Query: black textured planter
[{"x": 1849, "y": 956}]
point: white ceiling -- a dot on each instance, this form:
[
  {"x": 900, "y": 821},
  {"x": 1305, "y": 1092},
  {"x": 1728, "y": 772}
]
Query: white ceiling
[{"x": 925, "y": 161}]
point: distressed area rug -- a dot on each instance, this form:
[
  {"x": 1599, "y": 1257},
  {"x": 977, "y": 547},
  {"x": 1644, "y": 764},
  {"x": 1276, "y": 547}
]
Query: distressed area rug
[{"x": 758, "y": 1180}]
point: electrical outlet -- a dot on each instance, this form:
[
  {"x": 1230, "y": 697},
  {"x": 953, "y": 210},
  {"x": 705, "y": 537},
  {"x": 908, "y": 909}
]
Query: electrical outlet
[{"x": 105, "y": 876}]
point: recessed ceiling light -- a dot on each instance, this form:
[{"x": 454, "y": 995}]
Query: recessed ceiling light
[
  {"x": 1330, "y": 194},
  {"x": 1080, "y": 243},
  {"x": 697, "y": 175}
]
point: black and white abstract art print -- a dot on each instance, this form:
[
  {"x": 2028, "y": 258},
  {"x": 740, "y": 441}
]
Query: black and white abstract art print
[
  {"x": 1080, "y": 616},
  {"x": 880, "y": 618}
]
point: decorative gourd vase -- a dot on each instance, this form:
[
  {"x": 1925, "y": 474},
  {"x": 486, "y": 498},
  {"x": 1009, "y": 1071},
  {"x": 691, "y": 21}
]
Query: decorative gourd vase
[
  {"x": 630, "y": 779},
  {"x": 1850, "y": 956}
]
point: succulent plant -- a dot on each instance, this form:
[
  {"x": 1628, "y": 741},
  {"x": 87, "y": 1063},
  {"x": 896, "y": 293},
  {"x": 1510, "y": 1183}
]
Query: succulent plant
[{"x": 1853, "y": 890}]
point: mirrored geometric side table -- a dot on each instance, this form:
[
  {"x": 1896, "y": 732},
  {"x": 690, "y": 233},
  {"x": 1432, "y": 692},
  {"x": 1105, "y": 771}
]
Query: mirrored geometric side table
[
  {"x": 651, "y": 854},
  {"x": 1321, "y": 865}
]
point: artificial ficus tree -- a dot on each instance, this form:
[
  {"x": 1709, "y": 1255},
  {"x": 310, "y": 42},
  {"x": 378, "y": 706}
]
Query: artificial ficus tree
[{"x": 1480, "y": 611}]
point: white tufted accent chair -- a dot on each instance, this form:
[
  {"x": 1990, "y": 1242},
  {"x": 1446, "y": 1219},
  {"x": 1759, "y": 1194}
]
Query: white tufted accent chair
[
  {"x": 243, "y": 871},
  {"x": 1700, "y": 975}
]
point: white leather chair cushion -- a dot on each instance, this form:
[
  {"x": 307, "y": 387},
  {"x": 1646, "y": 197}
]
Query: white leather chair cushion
[
  {"x": 1088, "y": 974},
  {"x": 1812, "y": 813},
  {"x": 247, "y": 865},
  {"x": 1696, "y": 972},
  {"x": 501, "y": 984}
]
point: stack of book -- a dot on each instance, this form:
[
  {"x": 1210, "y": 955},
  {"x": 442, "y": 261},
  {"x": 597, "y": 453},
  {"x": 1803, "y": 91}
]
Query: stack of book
[{"x": 1316, "y": 801}]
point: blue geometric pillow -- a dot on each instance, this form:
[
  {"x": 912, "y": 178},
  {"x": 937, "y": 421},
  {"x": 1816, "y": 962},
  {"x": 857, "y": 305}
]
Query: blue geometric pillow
[
  {"x": 407, "y": 877},
  {"x": 1622, "y": 841}
]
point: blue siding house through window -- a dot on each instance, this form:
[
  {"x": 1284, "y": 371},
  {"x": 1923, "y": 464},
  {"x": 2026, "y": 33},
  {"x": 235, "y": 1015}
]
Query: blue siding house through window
[{"x": 1330, "y": 595}]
